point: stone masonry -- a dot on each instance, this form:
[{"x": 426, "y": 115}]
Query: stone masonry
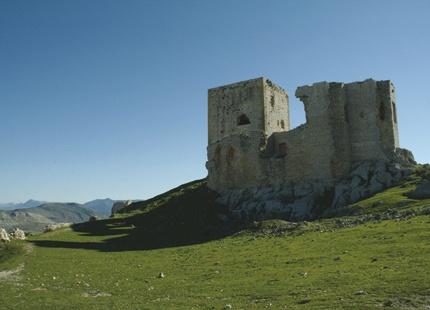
[{"x": 251, "y": 143}]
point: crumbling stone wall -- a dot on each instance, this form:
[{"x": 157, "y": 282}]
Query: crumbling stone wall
[{"x": 251, "y": 144}]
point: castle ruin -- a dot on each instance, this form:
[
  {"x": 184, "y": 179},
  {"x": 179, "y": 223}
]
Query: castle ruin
[{"x": 251, "y": 143}]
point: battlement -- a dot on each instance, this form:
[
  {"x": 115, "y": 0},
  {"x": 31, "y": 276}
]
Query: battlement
[{"x": 250, "y": 142}]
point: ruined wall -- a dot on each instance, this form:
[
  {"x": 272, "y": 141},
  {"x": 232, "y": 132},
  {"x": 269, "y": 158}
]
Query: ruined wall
[{"x": 346, "y": 123}]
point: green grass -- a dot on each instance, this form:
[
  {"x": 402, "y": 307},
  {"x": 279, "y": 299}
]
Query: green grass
[
  {"x": 9, "y": 253},
  {"x": 115, "y": 263}
]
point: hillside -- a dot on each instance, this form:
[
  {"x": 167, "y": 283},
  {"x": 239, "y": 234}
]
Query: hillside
[
  {"x": 373, "y": 254},
  {"x": 36, "y": 218}
]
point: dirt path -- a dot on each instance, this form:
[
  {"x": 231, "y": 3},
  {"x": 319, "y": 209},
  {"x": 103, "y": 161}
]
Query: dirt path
[{"x": 11, "y": 275}]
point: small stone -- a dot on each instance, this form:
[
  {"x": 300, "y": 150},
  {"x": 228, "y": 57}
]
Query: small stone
[
  {"x": 388, "y": 303},
  {"x": 361, "y": 292},
  {"x": 337, "y": 258},
  {"x": 304, "y": 301},
  {"x": 228, "y": 306},
  {"x": 161, "y": 275}
]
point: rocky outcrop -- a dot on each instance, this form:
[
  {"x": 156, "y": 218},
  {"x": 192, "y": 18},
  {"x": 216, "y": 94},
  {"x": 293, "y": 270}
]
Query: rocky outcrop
[
  {"x": 18, "y": 234},
  {"x": 367, "y": 179},
  {"x": 421, "y": 192},
  {"x": 53, "y": 227},
  {"x": 4, "y": 236},
  {"x": 299, "y": 201},
  {"x": 120, "y": 205}
]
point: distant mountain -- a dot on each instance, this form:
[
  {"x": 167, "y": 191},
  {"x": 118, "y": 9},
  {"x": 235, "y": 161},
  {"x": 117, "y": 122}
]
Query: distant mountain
[
  {"x": 34, "y": 215},
  {"x": 28, "y": 204},
  {"x": 35, "y": 219},
  {"x": 102, "y": 207}
]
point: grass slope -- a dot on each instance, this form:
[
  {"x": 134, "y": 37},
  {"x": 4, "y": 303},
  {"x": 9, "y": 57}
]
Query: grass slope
[{"x": 374, "y": 254}]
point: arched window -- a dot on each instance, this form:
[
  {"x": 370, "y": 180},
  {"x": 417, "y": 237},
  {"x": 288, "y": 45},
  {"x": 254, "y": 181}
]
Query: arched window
[{"x": 243, "y": 120}]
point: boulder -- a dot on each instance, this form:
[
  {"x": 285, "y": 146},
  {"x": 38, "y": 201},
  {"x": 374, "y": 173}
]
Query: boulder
[
  {"x": 53, "y": 227},
  {"x": 18, "y": 234},
  {"x": 4, "y": 236},
  {"x": 422, "y": 191}
]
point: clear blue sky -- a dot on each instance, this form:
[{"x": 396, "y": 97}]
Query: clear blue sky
[{"x": 109, "y": 98}]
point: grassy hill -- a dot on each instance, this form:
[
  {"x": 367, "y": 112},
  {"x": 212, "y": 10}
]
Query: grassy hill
[{"x": 370, "y": 255}]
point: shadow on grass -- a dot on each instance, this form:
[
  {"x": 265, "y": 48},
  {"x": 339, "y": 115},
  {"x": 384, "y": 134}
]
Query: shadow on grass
[{"x": 183, "y": 216}]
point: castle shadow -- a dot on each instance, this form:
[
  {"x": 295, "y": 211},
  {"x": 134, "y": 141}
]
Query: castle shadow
[{"x": 184, "y": 216}]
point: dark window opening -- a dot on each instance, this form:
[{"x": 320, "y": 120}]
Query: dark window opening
[
  {"x": 394, "y": 112},
  {"x": 243, "y": 120},
  {"x": 272, "y": 101},
  {"x": 382, "y": 111},
  {"x": 345, "y": 111},
  {"x": 282, "y": 124},
  {"x": 282, "y": 149}
]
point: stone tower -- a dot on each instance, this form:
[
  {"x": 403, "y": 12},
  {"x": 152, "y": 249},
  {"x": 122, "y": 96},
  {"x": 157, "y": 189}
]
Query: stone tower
[{"x": 241, "y": 118}]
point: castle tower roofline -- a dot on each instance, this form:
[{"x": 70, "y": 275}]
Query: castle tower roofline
[{"x": 236, "y": 84}]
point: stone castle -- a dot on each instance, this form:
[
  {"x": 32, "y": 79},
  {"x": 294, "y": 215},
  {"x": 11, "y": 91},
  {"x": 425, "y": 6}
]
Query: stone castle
[{"x": 251, "y": 143}]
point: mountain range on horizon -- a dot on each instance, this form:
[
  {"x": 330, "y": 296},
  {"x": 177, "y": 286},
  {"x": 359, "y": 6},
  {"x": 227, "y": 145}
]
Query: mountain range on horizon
[
  {"x": 101, "y": 206},
  {"x": 34, "y": 215}
]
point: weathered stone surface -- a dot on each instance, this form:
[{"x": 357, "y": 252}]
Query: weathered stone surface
[
  {"x": 375, "y": 176},
  {"x": 4, "y": 236},
  {"x": 347, "y": 150},
  {"x": 345, "y": 124},
  {"x": 18, "y": 234},
  {"x": 53, "y": 227},
  {"x": 118, "y": 206},
  {"x": 312, "y": 199},
  {"x": 421, "y": 192}
]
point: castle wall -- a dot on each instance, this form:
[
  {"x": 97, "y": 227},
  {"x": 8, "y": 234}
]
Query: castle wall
[{"x": 346, "y": 123}]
